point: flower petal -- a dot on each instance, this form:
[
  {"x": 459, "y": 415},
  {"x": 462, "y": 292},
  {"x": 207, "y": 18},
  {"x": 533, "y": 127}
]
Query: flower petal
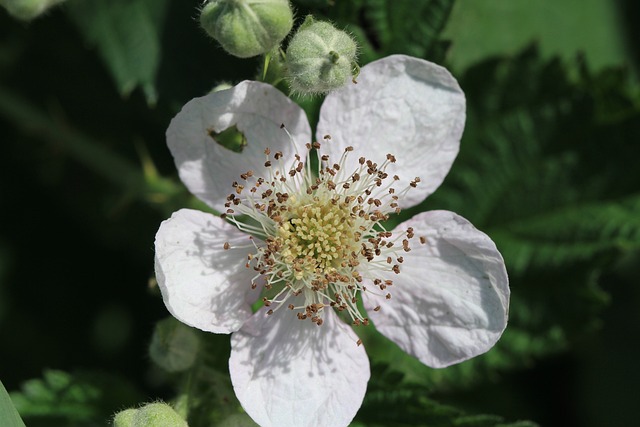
[
  {"x": 450, "y": 300},
  {"x": 257, "y": 110},
  {"x": 292, "y": 373},
  {"x": 404, "y": 106},
  {"x": 202, "y": 284}
]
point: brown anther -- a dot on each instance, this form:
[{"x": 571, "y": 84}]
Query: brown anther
[
  {"x": 423, "y": 240},
  {"x": 391, "y": 158},
  {"x": 327, "y": 136},
  {"x": 226, "y": 246},
  {"x": 291, "y": 307},
  {"x": 359, "y": 342},
  {"x": 267, "y": 164},
  {"x": 278, "y": 155},
  {"x": 316, "y": 145},
  {"x": 410, "y": 232},
  {"x": 282, "y": 126},
  {"x": 267, "y": 151},
  {"x": 377, "y": 308},
  {"x": 388, "y": 296},
  {"x": 270, "y": 312}
]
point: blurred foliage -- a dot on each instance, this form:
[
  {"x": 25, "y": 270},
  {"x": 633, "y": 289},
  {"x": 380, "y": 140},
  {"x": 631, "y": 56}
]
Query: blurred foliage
[
  {"x": 84, "y": 399},
  {"x": 561, "y": 28},
  {"x": 547, "y": 168}
]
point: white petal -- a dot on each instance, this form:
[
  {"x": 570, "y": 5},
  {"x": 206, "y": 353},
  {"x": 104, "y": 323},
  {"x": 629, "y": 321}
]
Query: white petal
[
  {"x": 202, "y": 284},
  {"x": 450, "y": 300},
  {"x": 404, "y": 106},
  {"x": 292, "y": 373},
  {"x": 258, "y": 110}
]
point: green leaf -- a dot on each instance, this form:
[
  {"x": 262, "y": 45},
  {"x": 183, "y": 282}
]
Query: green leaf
[
  {"x": 409, "y": 27},
  {"x": 8, "y": 415},
  {"x": 63, "y": 399},
  {"x": 127, "y": 36},
  {"x": 390, "y": 401},
  {"x": 570, "y": 234}
]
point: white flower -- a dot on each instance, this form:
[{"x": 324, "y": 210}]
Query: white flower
[{"x": 311, "y": 244}]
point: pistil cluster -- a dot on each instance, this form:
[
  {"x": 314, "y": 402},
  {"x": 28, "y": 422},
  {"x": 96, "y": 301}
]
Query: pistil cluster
[{"x": 323, "y": 232}]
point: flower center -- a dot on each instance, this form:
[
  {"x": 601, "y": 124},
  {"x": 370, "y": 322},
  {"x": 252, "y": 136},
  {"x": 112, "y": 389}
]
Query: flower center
[
  {"x": 322, "y": 232},
  {"x": 316, "y": 234}
]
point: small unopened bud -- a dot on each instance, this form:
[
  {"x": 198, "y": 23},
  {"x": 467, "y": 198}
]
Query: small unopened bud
[
  {"x": 124, "y": 418},
  {"x": 151, "y": 415},
  {"x": 246, "y": 28},
  {"x": 174, "y": 346},
  {"x": 320, "y": 58},
  {"x": 27, "y": 10}
]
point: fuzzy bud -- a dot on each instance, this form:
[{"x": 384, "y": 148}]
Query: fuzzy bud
[
  {"x": 26, "y": 10},
  {"x": 320, "y": 58},
  {"x": 174, "y": 346},
  {"x": 151, "y": 415},
  {"x": 246, "y": 28}
]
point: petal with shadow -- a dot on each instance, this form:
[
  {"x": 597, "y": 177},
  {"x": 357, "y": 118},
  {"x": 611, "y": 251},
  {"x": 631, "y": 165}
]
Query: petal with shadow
[
  {"x": 202, "y": 284},
  {"x": 292, "y": 373},
  {"x": 450, "y": 300},
  {"x": 405, "y": 106},
  {"x": 257, "y": 110}
]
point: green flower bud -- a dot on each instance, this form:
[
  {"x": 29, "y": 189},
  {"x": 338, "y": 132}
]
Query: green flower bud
[
  {"x": 124, "y": 418},
  {"x": 27, "y": 10},
  {"x": 151, "y": 415},
  {"x": 320, "y": 58},
  {"x": 174, "y": 345},
  {"x": 247, "y": 28}
]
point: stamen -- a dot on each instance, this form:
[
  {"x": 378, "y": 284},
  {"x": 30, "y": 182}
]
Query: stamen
[{"x": 321, "y": 234}]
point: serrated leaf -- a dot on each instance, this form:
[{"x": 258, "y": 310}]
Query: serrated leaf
[
  {"x": 392, "y": 403},
  {"x": 127, "y": 36},
  {"x": 9, "y": 416},
  {"x": 409, "y": 27},
  {"x": 571, "y": 234}
]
